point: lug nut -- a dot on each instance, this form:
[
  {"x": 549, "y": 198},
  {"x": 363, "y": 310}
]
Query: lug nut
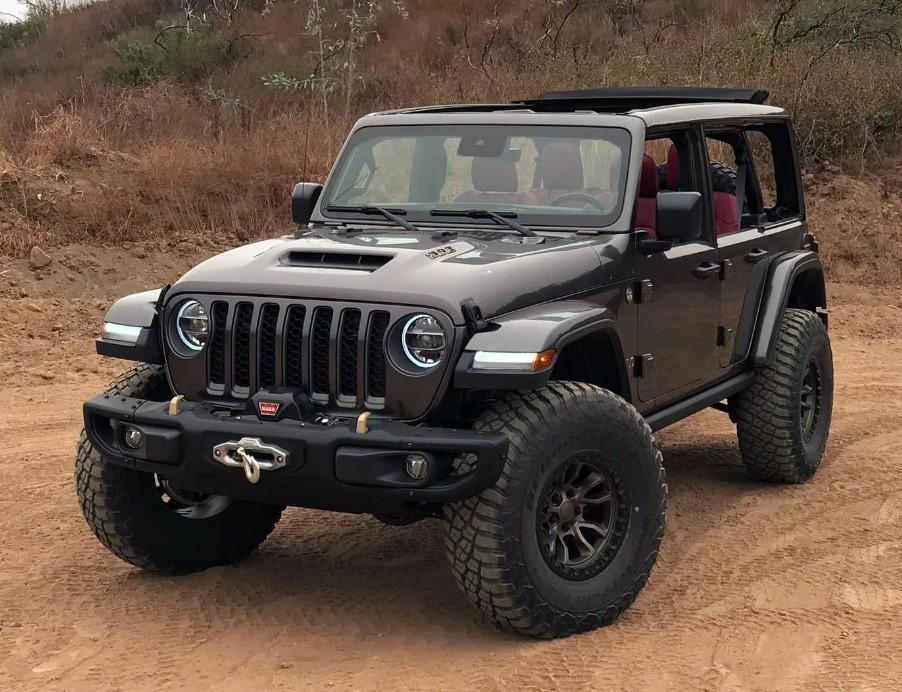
[{"x": 416, "y": 466}]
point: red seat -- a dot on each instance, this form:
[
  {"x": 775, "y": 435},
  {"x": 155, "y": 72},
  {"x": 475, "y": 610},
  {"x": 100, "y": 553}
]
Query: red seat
[
  {"x": 646, "y": 200},
  {"x": 726, "y": 207}
]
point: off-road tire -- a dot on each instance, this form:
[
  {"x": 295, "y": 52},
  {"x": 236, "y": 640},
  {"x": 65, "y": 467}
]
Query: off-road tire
[
  {"x": 723, "y": 177},
  {"x": 769, "y": 417},
  {"x": 491, "y": 539},
  {"x": 124, "y": 510}
]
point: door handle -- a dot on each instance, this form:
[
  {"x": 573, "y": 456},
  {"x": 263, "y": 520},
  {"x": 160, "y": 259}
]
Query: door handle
[
  {"x": 706, "y": 270},
  {"x": 756, "y": 255}
]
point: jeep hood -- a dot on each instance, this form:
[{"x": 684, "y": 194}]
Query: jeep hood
[{"x": 416, "y": 269}]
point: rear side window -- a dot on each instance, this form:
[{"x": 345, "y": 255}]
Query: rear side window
[{"x": 772, "y": 152}]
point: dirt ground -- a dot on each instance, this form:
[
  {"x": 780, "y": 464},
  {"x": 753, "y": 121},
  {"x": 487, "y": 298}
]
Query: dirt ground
[{"x": 758, "y": 587}]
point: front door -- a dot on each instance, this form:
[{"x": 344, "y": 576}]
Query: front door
[{"x": 678, "y": 316}]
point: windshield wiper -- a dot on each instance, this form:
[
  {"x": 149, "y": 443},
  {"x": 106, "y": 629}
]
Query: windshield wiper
[
  {"x": 504, "y": 218},
  {"x": 390, "y": 214}
]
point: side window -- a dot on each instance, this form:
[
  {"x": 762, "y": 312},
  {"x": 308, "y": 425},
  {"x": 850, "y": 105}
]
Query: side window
[
  {"x": 771, "y": 189},
  {"x": 669, "y": 164},
  {"x": 725, "y": 172},
  {"x": 771, "y": 150},
  {"x": 763, "y": 159}
]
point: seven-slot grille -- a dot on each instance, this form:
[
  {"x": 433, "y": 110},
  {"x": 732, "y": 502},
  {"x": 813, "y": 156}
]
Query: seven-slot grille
[{"x": 336, "y": 354}]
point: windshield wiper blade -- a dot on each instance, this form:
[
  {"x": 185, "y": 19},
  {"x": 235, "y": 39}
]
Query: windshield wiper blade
[
  {"x": 390, "y": 214},
  {"x": 504, "y": 218}
]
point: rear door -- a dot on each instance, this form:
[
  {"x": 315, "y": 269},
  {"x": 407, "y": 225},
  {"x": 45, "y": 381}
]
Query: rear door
[
  {"x": 678, "y": 292},
  {"x": 771, "y": 222}
]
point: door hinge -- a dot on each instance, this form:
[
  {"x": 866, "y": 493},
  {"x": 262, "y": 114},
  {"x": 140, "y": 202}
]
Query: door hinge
[
  {"x": 640, "y": 366},
  {"x": 724, "y": 335},
  {"x": 725, "y": 268},
  {"x": 646, "y": 289}
]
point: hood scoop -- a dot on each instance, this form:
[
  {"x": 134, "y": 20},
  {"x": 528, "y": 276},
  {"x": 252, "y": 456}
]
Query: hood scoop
[{"x": 336, "y": 260}]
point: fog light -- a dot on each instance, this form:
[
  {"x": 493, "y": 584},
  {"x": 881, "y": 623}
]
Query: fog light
[
  {"x": 416, "y": 466},
  {"x": 134, "y": 438}
]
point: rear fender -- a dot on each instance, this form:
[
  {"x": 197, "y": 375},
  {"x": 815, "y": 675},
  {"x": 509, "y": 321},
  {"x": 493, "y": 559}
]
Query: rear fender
[{"x": 796, "y": 280}]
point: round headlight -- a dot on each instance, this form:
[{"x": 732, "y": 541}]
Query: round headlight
[
  {"x": 423, "y": 341},
  {"x": 192, "y": 325}
]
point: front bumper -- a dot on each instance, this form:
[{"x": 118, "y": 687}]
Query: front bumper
[{"x": 328, "y": 466}]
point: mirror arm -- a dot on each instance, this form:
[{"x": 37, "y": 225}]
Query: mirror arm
[{"x": 646, "y": 245}]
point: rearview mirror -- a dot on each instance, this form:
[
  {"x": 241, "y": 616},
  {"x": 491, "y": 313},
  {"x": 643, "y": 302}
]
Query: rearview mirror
[
  {"x": 679, "y": 216},
  {"x": 303, "y": 200}
]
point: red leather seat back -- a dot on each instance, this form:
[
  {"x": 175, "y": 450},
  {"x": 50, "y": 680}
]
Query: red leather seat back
[
  {"x": 726, "y": 207},
  {"x": 726, "y": 213},
  {"x": 646, "y": 201}
]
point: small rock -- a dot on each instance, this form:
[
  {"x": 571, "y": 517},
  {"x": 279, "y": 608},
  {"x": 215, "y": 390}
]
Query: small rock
[{"x": 38, "y": 258}]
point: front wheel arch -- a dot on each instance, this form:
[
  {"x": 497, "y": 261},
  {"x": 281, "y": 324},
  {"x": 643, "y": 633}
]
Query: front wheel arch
[{"x": 595, "y": 358}]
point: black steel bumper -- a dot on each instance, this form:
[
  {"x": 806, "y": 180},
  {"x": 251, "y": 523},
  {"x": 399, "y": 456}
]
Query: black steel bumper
[{"x": 328, "y": 466}]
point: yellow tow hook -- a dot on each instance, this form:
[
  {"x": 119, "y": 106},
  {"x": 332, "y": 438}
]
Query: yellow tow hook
[
  {"x": 174, "y": 405},
  {"x": 362, "y": 420}
]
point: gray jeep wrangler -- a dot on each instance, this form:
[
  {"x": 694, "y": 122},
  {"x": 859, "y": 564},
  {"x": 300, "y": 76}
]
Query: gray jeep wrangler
[{"x": 484, "y": 315}]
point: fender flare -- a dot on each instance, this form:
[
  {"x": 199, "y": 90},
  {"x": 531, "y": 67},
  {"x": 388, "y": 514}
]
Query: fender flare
[
  {"x": 135, "y": 310},
  {"x": 534, "y": 330},
  {"x": 783, "y": 274}
]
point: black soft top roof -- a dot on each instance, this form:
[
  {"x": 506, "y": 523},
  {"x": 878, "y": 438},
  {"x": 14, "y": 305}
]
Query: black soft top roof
[{"x": 627, "y": 98}]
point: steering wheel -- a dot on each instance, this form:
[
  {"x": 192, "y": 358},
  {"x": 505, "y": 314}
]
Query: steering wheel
[{"x": 577, "y": 197}]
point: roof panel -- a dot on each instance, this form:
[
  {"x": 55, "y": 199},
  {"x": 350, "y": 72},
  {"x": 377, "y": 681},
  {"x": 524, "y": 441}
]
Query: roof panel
[{"x": 629, "y": 98}]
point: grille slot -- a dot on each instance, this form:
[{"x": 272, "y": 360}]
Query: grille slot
[
  {"x": 219, "y": 313},
  {"x": 266, "y": 356},
  {"x": 242, "y": 348},
  {"x": 375, "y": 356},
  {"x": 319, "y": 351},
  {"x": 294, "y": 346},
  {"x": 347, "y": 353}
]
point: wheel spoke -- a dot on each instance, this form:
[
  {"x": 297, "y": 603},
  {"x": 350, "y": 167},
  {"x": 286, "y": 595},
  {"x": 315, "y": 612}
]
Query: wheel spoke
[
  {"x": 577, "y": 533},
  {"x": 600, "y": 500},
  {"x": 591, "y": 481},
  {"x": 591, "y": 526}
]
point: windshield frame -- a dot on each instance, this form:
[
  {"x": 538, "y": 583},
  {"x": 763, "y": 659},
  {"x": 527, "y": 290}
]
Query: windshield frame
[{"x": 567, "y": 222}]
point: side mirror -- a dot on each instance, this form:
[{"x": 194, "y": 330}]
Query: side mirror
[
  {"x": 303, "y": 200},
  {"x": 680, "y": 216}
]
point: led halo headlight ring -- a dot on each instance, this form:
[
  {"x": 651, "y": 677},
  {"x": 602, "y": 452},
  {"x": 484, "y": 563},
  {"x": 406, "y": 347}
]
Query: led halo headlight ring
[
  {"x": 423, "y": 333},
  {"x": 192, "y": 327}
]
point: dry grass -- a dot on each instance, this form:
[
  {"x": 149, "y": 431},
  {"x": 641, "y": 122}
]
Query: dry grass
[{"x": 213, "y": 162}]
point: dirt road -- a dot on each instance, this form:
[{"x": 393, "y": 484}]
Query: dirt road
[{"x": 758, "y": 587}]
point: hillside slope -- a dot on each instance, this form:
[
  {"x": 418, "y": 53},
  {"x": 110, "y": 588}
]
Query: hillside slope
[{"x": 133, "y": 120}]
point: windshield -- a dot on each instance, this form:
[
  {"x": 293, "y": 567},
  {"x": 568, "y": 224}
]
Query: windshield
[{"x": 539, "y": 174}]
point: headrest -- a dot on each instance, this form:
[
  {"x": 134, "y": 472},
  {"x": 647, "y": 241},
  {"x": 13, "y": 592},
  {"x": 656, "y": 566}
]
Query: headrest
[
  {"x": 648, "y": 178},
  {"x": 673, "y": 169},
  {"x": 493, "y": 174},
  {"x": 562, "y": 166}
]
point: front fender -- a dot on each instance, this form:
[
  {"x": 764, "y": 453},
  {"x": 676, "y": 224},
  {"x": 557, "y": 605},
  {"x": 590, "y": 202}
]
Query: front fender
[
  {"x": 784, "y": 273},
  {"x": 533, "y": 330},
  {"x": 138, "y": 311}
]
